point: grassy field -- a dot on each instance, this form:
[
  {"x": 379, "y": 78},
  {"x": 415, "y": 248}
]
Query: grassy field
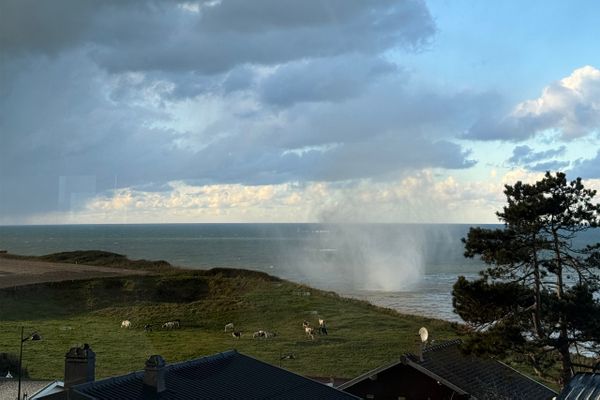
[{"x": 361, "y": 336}]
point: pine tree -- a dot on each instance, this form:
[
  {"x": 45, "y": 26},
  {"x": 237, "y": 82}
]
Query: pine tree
[{"x": 536, "y": 298}]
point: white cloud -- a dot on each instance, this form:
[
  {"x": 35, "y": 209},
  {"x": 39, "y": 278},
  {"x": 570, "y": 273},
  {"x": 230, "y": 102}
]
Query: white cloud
[
  {"x": 422, "y": 197},
  {"x": 570, "y": 107}
]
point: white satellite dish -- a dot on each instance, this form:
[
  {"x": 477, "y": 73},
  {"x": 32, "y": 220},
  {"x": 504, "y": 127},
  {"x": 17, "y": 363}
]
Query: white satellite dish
[{"x": 424, "y": 334}]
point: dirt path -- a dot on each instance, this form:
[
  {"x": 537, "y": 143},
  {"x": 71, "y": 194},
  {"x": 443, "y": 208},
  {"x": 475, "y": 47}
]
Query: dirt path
[{"x": 25, "y": 272}]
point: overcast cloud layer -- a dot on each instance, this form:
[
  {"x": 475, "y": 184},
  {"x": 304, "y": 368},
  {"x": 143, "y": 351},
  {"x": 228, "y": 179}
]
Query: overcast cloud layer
[{"x": 101, "y": 98}]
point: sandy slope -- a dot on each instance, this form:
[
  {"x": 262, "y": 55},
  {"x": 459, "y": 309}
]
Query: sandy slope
[{"x": 25, "y": 272}]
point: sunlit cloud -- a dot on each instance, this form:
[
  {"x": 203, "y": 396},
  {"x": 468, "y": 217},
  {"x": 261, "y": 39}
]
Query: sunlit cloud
[
  {"x": 424, "y": 197},
  {"x": 570, "y": 107}
]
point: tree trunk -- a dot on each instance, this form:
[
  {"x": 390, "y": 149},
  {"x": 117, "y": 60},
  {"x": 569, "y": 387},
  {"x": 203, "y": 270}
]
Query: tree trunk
[
  {"x": 567, "y": 365},
  {"x": 537, "y": 312},
  {"x": 565, "y": 354},
  {"x": 559, "y": 264}
]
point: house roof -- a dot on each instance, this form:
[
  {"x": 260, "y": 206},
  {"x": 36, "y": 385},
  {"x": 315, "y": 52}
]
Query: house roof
[
  {"x": 583, "y": 386},
  {"x": 51, "y": 388},
  {"x": 467, "y": 374},
  {"x": 9, "y": 387},
  {"x": 479, "y": 376},
  {"x": 224, "y": 375}
]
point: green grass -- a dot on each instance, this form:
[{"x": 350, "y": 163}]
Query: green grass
[{"x": 361, "y": 336}]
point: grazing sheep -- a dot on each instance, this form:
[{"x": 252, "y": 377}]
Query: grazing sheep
[
  {"x": 169, "y": 325},
  {"x": 263, "y": 334},
  {"x": 258, "y": 334},
  {"x": 148, "y": 328},
  {"x": 229, "y": 326},
  {"x": 236, "y": 335},
  {"x": 305, "y": 324},
  {"x": 310, "y": 332},
  {"x": 322, "y": 327},
  {"x": 175, "y": 324},
  {"x": 126, "y": 324}
]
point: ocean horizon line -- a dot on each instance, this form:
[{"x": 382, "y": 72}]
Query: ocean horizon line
[{"x": 256, "y": 223}]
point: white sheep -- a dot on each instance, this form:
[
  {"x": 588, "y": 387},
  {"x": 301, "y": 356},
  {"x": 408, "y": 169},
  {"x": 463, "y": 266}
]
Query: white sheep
[
  {"x": 310, "y": 332},
  {"x": 258, "y": 334}
]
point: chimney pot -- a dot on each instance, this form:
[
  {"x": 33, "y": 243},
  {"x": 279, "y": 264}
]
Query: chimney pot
[
  {"x": 154, "y": 376},
  {"x": 80, "y": 365}
]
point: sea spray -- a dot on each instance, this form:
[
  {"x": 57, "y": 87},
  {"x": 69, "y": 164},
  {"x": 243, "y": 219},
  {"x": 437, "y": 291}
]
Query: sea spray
[
  {"x": 328, "y": 256},
  {"x": 362, "y": 257}
]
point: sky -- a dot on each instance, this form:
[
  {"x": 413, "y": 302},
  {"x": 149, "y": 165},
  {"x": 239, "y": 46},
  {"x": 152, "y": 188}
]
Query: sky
[{"x": 291, "y": 111}]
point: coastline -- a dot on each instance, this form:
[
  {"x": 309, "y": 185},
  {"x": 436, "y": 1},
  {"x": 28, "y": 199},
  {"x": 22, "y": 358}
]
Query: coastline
[{"x": 91, "y": 311}]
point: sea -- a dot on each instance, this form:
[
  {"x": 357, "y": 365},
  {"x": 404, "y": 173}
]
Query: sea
[{"x": 407, "y": 267}]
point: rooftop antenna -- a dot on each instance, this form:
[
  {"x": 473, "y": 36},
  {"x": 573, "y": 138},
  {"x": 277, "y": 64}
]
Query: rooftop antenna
[{"x": 424, "y": 334}]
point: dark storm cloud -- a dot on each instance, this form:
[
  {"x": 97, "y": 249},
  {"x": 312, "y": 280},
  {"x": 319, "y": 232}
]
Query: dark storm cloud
[
  {"x": 549, "y": 166},
  {"x": 390, "y": 129},
  {"x": 589, "y": 169},
  {"x": 393, "y": 154},
  {"x": 30, "y": 26},
  {"x": 389, "y": 106},
  {"x": 526, "y": 155},
  {"x": 231, "y": 33},
  {"x": 275, "y": 92},
  {"x": 58, "y": 122},
  {"x": 240, "y": 78},
  {"x": 163, "y": 36},
  {"x": 322, "y": 79},
  {"x": 491, "y": 127}
]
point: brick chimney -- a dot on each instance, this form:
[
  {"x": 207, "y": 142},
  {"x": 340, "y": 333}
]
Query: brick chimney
[
  {"x": 154, "y": 377},
  {"x": 80, "y": 365}
]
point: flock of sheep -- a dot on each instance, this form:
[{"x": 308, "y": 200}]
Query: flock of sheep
[
  {"x": 230, "y": 327},
  {"x": 175, "y": 324},
  {"x": 308, "y": 329}
]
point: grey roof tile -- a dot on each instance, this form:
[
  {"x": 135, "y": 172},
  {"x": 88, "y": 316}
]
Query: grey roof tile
[
  {"x": 482, "y": 377},
  {"x": 228, "y": 375},
  {"x": 583, "y": 386}
]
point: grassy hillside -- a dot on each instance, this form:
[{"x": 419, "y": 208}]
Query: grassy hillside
[
  {"x": 361, "y": 336},
  {"x": 98, "y": 258}
]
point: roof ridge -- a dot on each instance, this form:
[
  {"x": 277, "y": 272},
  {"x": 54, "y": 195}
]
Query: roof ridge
[
  {"x": 201, "y": 360},
  {"x": 109, "y": 380},
  {"x": 140, "y": 373},
  {"x": 430, "y": 349},
  {"x": 443, "y": 345}
]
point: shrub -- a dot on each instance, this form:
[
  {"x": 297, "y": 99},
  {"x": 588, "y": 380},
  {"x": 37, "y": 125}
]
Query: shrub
[{"x": 10, "y": 363}]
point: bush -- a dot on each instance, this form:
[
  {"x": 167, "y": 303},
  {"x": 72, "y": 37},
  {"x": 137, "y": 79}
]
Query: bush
[
  {"x": 10, "y": 363},
  {"x": 180, "y": 289}
]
